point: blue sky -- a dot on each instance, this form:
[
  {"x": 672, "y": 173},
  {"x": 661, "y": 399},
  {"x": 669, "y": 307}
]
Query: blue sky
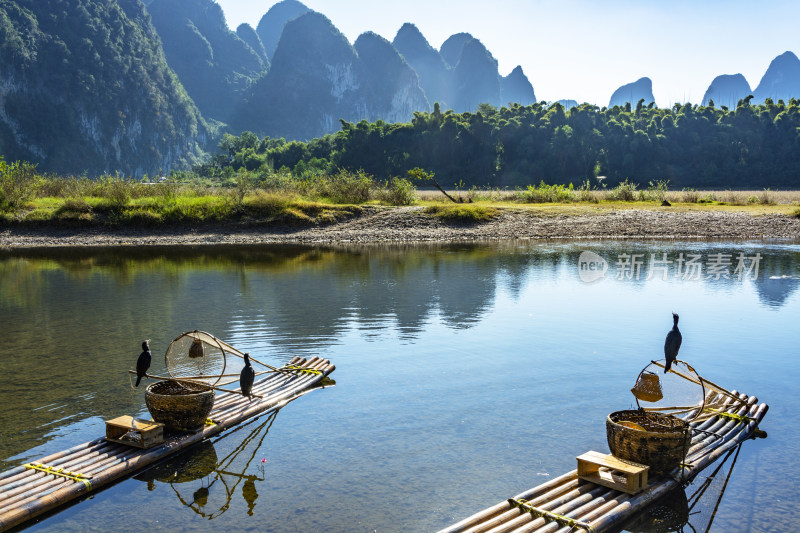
[{"x": 585, "y": 49}]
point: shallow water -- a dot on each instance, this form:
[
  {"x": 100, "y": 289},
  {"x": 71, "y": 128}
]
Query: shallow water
[{"x": 465, "y": 374}]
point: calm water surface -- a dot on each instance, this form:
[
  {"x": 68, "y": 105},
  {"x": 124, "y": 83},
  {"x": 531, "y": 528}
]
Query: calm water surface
[{"x": 465, "y": 374}]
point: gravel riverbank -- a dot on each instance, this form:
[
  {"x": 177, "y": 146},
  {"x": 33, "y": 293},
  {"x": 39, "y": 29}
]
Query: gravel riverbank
[{"x": 410, "y": 224}]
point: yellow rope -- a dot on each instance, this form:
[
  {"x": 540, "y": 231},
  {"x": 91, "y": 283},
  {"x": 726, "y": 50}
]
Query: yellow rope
[
  {"x": 62, "y": 473},
  {"x": 541, "y": 513},
  {"x": 210, "y": 422},
  {"x": 731, "y": 416},
  {"x": 301, "y": 369}
]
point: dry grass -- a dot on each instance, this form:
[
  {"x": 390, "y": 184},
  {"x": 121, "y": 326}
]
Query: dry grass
[{"x": 689, "y": 196}]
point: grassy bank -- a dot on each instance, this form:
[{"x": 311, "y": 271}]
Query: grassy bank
[{"x": 29, "y": 198}]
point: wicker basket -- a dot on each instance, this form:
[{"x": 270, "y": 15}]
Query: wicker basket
[
  {"x": 179, "y": 406},
  {"x": 662, "y": 445}
]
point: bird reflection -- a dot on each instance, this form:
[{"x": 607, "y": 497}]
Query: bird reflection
[{"x": 250, "y": 495}]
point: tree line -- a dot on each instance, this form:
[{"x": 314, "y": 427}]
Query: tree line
[{"x": 750, "y": 147}]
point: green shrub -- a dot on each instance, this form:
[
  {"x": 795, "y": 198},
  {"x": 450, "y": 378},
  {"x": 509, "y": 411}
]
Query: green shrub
[
  {"x": 624, "y": 192},
  {"x": 545, "y": 193},
  {"x": 346, "y": 187},
  {"x": 18, "y": 184},
  {"x": 398, "y": 191},
  {"x": 656, "y": 191}
]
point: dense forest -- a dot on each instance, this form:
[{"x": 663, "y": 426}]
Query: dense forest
[
  {"x": 751, "y": 146},
  {"x": 84, "y": 86}
]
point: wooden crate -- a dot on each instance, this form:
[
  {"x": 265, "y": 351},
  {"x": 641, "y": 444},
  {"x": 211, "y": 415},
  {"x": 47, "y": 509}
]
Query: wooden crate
[
  {"x": 134, "y": 432},
  {"x": 609, "y": 471}
]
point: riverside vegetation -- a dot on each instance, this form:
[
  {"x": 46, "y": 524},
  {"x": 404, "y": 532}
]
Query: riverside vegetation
[{"x": 28, "y": 197}]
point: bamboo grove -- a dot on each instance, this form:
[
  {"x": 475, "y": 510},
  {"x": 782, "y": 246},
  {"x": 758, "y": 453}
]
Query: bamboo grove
[{"x": 752, "y": 146}]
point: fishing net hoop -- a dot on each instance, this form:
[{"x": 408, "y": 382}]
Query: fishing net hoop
[
  {"x": 681, "y": 369},
  {"x": 713, "y": 396},
  {"x": 185, "y": 360}
]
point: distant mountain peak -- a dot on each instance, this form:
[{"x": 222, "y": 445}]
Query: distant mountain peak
[
  {"x": 726, "y": 90},
  {"x": 451, "y": 48},
  {"x": 633, "y": 92},
  {"x": 516, "y": 88},
  {"x": 781, "y": 80},
  {"x": 271, "y": 25}
]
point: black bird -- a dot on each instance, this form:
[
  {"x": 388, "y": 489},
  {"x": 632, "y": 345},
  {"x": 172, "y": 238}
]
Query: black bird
[
  {"x": 143, "y": 363},
  {"x": 672, "y": 344},
  {"x": 247, "y": 376}
]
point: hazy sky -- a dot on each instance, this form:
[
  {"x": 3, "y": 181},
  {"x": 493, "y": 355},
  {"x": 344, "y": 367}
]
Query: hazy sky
[{"x": 584, "y": 49}]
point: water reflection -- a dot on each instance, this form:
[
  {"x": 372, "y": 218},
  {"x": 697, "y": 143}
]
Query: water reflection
[
  {"x": 207, "y": 484},
  {"x": 677, "y": 512},
  {"x": 92, "y": 307}
]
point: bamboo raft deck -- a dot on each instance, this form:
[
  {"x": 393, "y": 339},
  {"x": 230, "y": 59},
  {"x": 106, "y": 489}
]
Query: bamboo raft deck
[
  {"x": 567, "y": 504},
  {"x": 27, "y": 492}
]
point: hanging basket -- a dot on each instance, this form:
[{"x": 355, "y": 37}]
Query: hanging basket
[
  {"x": 648, "y": 387},
  {"x": 661, "y": 444}
]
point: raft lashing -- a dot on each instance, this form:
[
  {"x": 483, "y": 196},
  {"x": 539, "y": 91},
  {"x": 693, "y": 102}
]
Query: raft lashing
[
  {"x": 569, "y": 504},
  {"x": 43, "y": 485}
]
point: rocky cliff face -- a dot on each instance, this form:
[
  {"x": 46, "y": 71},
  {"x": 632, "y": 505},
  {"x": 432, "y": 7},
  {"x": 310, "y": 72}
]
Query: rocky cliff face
[
  {"x": 475, "y": 78},
  {"x": 84, "y": 86},
  {"x": 434, "y": 74},
  {"x": 390, "y": 87},
  {"x": 726, "y": 90},
  {"x": 463, "y": 74},
  {"x": 317, "y": 78},
  {"x": 516, "y": 88},
  {"x": 272, "y": 23},
  {"x": 213, "y": 63},
  {"x": 633, "y": 92},
  {"x": 452, "y": 47},
  {"x": 246, "y": 33},
  {"x": 781, "y": 81}
]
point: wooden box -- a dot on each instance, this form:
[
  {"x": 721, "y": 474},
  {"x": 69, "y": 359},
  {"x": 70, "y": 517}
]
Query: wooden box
[
  {"x": 609, "y": 471},
  {"x": 134, "y": 432}
]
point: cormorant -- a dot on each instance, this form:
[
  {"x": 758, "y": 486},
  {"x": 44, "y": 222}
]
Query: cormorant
[
  {"x": 247, "y": 376},
  {"x": 672, "y": 344},
  {"x": 143, "y": 363}
]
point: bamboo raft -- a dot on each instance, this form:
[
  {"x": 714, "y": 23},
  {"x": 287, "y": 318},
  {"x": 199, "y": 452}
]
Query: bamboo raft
[
  {"x": 567, "y": 503},
  {"x": 30, "y": 490}
]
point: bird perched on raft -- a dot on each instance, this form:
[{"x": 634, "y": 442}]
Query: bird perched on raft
[
  {"x": 247, "y": 376},
  {"x": 672, "y": 344},
  {"x": 143, "y": 363}
]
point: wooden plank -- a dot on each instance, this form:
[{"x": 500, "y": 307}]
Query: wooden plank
[
  {"x": 134, "y": 432},
  {"x": 609, "y": 461},
  {"x": 613, "y": 472}
]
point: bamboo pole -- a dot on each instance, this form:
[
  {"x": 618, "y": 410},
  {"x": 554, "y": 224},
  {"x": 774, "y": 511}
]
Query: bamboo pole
[
  {"x": 187, "y": 380},
  {"x": 459, "y": 527},
  {"x": 562, "y": 506},
  {"x": 239, "y": 353},
  {"x": 51, "y": 457},
  {"x": 40, "y": 483},
  {"x": 62, "y": 491},
  {"x": 562, "y": 493},
  {"x": 53, "y": 460},
  {"x": 304, "y": 382},
  {"x": 264, "y": 387},
  {"x": 702, "y": 379}
]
